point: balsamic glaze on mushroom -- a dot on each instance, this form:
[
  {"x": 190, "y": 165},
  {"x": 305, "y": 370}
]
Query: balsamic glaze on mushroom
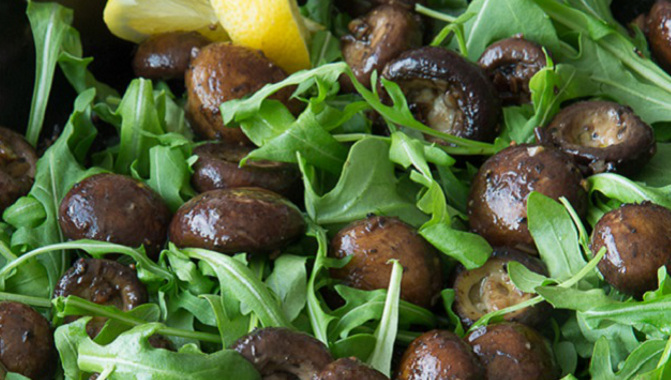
[
  {"x": 167, "y": 55},
  {"x": 659, "y": 33}
]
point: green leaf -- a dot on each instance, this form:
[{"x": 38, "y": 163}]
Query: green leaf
[
  {"x": 600, "y": 367},
  {"x": 289, "y": 281},
  {"x": 385, "y": 334},
  {"x": 170, "y": 175},
  {"x": 657, "y": 172},
  {"x": 525, "y": 279},
  {"x": 624, "y": 190},
  {"x": 469, "y": 249}
]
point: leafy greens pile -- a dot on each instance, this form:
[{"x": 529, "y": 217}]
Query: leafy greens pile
[{"x": 203, "y": 301}]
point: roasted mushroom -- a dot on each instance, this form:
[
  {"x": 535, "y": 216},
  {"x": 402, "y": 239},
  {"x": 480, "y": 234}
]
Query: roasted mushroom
[
  {"x": 222, "y": 72},
  {"x": 218, "y": 167},
  {"x": 166, "y": 55},
  {"x": 104, "y": 282},
  {"x": 489, "y": 288},
  {"x": 280, "y": 353},
  {"x": 510, "y": 64},
  {"x": 251, "y": 220},
  {"x": 659, "y": 34},
  {"x": 116, "y": 209},
  {"x": 356, "y": 8},
  {"x": 601, "y": 136},
  {"x": 513, "y": 351},
  {"x": 377, "y": 38},
  {"x": 350, "y": 368},
  {"x": 372, "y": 242},
  {"x": 440, "y": 355},
  {"x": 497, "y": 204},
  {"x": 17, "y": 167},
  {"x": 447, "y": 93},
  {"x": 26, "y": 342},
  {"x": 638, "y": 242}
]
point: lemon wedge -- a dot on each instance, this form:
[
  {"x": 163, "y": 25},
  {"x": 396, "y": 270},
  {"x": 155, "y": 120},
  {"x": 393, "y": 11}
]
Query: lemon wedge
[
  {"x": 135, "y": 20},
  {"x": 272, "y": 26}
]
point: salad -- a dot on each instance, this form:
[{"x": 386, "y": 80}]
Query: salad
[{"x": 344, "y": 190}]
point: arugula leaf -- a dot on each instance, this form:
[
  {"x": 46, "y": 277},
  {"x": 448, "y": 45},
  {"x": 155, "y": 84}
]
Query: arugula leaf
[
  {"x": 289, "y": 281},
  {"x": 624, "y": 190},
  {"x": 385, "y": 334},
  {"x": 656, "y": 172}
]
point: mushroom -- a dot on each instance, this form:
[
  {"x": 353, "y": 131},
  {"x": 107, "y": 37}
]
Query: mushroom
[
  {"x": 638, "y": 242},
  {"x": 659, "y": 36},
  {"x": 372, "y": 242},
  {"x": 116, "y": 209},
  {"x": 497, "y": 203},
  {"x": 280, "y": 353},
  {"x": 26, "y": 342},
  {"x": 349, "y": 368},
  {"x": 601, "y": 136},
  {"x": 513, "y": 351},
  {"x": 220, "y": 72},
  {"x": 17, "y": 167},
  {"x": 251, "y": 220},
  {"x": 356, "y": 8},
  {"x": 166, "y": 55},
  {"x": 440, "y": 355},
  {"x": 218, "y": 167},
  {"x": 380, "y": 36},
  {"x": 510, "y": 64},
  {"x": 487, "y": 289},
  {"x": 447, "y": 93}
]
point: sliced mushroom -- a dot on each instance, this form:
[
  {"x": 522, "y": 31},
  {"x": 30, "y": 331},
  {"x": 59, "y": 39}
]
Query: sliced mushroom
[
  {"x": 601, "y": 136},
  {"x": 659, "y": 34},
  {"x": 510, "y": 65},
  {"x": 487, "y": 289},
  {"x": 116, "y": 209},
  {"x": 280, "y": 353},
  {"x": 222, "y": 72},
  {"x": 218, "y": 167},
  {"x": 26, "y": 342},
  {"x": 497, "y": 204},
  {"x": 638, "y": 242},
  {"x": 17, "y": 167},
  {"x": 440, "y": 355},
  {"x": 377, "y": 38},
  {"x": 251, "y": 220},
  {"x": 350, "y": 368},
  {"x": 104, "y": 282},
  {"x": 447, "y": 93},
  {"x": 166, "y": 55}
]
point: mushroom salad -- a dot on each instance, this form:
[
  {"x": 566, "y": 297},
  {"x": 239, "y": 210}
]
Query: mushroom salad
[{"x": 388, "y": 189}]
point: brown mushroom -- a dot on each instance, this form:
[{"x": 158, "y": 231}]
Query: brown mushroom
[
  {"x": 658, "y": 33},
  {"x": 349, "y": 368},
  {"x": 166, "y": 55},
  {"x": 17, "y": 167}
]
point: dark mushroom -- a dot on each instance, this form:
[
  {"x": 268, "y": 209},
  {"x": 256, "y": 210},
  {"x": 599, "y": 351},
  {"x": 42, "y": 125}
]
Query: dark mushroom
[
  {"x": 104, "y": 282},
  {"x": 17, "y": 167},
  {"x": 377, "y": 38},
  {"x": 513, "y": 351},
  {"x": 26, "y": 342},
  {"x": 497, "y": 204},
  {"x": 440, "y": 355},
  {"x": 510, "y": 64},
  {"x": 356, "y": 8},
  {"x": 349, "y": 368},
  {"x": 638, "y": 242},
  {"x": 372, "y": 242},
  {"x": 222, "y": 72},
  {"x": 116, "y": 209},
  {"x": 447, "y": 93},
  {"x": 166, "y": 55},
  {"x": 659, "y": 33},
  {"x": 280, "y": 353},
  {"x": 489, "y": 288},
  {"x": 251, "y": 220},
  {"x": 601, "y": 136},
  {"x": 218, "y": 167}
]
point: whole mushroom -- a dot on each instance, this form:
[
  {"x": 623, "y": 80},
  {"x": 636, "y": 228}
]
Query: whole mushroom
[
  {"x": 17, "y": 167},
  {"x": 166, "y": 55}
]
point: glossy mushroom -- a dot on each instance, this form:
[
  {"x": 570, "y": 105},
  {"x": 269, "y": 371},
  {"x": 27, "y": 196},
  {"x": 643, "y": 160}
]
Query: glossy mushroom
[
  {"x": 251, "y": 220},
  {"x": 220, "y": 72},
  {"x": 166, "y": 55},
  {"x": 497, "y": 203},
  {"x": 659, "y": 33},
  {"x": 380, "y": 36},
  {"x": 26, "y": 342},
  {"x": 218, "y": 167},
  {"x": 489, "y": 288},
  {"x": 601, "y": 136},
  {"x": 116, "y": 209},
  {"x": 439, "y": 355},
  {"x": 349, "y": 368},
  {"x": 280, "y": 353},
  {"x": 637, "y": 238},
  {"x": 447, "y": 93},
  {"x": 510, "y": 64},
  {"x": 372, "y": 242},
  {"x": 356, "y": 8},
  {"x": 17, "y": 167},
  {"x": 513, "y": 351}
]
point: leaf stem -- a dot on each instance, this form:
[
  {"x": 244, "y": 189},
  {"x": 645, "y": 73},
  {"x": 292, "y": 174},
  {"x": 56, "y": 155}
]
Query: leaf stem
[
  {"x": 28, "y": 300},
  {"x": 419, "y": 8}
]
